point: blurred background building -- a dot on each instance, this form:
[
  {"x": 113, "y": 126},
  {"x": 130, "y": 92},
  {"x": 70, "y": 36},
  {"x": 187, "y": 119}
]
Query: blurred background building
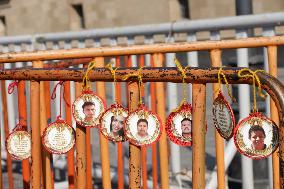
[{"x": 21, "y": 17}]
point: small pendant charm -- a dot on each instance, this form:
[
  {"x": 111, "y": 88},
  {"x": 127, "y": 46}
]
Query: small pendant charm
[
  {"x": 179, "y": 125},
  {"x": 256, "y": 136},
  {"x": 112, "y": 123},
  {"x": 18, "y": 144},
  {"x": 58, "y": 137},
  {"x": 142, "y": 127},
  {"x": 223, "y": 117},
  {"x": 87, "y": 109}
]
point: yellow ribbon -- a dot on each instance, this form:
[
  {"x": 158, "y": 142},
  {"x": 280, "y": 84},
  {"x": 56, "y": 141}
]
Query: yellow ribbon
[
  {"x": 255, "y": 78},
  {"x": 86, "y": 81},
  {"x": 138, "y": 74},
  {"x": 221, "y": 73},
  {"x": 183, "y": 73},
  {"x": 109, "y": 66}
]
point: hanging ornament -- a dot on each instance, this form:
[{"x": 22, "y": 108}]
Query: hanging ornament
[
  {"x": 142, "y": 127},
  {"x": 179, "y": 125},
  {"x": 113, "y": 119},
  {"x": 112, "y": 123},
  {"x": 88, "y": 107},
  {"x": 18, "y": 143},
  {"x": 223, "y": 116},
  {"x": 179, "y": 122},
  {"x": 58, "y": 137},
  {"x": 256, "y": 136}
]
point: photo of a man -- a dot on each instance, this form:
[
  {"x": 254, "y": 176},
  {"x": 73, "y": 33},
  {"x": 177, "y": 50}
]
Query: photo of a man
[
  {"x": 186, "y": 128},
  {"x": 256, "y": 136},
  {"x": 142, "y": 130},
  {"x": 89, "y": 112}
]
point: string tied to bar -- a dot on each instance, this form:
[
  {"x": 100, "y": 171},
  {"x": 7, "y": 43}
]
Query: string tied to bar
[
  {"x": 246, "y": 72},
  {"x": 11, "y": 86},
  {"x": 53, "y": 96},
  {"x": 183, "y": 73},
  {"x": 221, "y": 76},
  {"x": 86, "y": 80},
  {"x": 112, "y": 71},
  {"x": 138, "y": 75}
]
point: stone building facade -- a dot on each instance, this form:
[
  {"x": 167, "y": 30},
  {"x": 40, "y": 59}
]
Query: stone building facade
[{"x": 34, "y": 16}]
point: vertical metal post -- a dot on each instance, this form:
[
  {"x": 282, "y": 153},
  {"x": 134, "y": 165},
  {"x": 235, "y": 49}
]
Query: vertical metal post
[
  {"x": 100, "y": 86},
  {"x": 120, "y": 162},
  {"x": 35, "y": 129},
  {"x": 89, "y": 159},
  {"x": 143, "y": 149},
  {"x": 70, "y": 155},
  {"x": 198, "y": 135},
  {"x": 269, "y": 32},
  {"x": 6, "y": 131},
  {"x": 192, "y": 61},
  {"x": 22, "y": 107},
  {"x": 47, "y": 100},
  {"x": 10, "y": 101},
  {"x": 134, "y": 151},
  {"x": 172, "y": 103},
  {"x": 46, "y": 156},
  {"x": 272, "y": 62},
  {"x": 161, "y": 111},
  {"x": 154, "y": 146},
  {"x": 244, "y": 110},
  {"x": 243, "y": 7},
  {"x": 215, "y": 56},
  {"x": 89, "y": 164},
  {"x": 80, "y": 148}
]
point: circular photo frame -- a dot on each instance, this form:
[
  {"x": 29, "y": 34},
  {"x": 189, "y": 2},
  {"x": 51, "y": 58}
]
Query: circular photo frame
[
  {"x": 142, "y": 127},
  {"x": 18, "y": 144},
  {"x": 179, "y": 125},
  {"x": 58, "y": 137},
  {"x": 87, "y": 109},
  {"x": 256, "y": 136},
  {"x": 223, "y": 117},
  {"x": 112, "y": 123}
]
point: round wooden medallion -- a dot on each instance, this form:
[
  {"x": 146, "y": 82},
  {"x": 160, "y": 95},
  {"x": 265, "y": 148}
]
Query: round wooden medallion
[
  {"x": 112, "y": 123},
  {"x": 87, "y": 109},
  {"x": 18, "y": 144},
  {"x": 256, "y": 136},
  {"x": 58, "y": 137},
  {"x": 179, "y": 125},
  {"x": 142, "y": 127}
]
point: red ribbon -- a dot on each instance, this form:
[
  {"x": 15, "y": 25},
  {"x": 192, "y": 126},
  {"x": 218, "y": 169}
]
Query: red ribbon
[
  {"x": 53, "y": 95},
  {"x": 12, "y": 86}
]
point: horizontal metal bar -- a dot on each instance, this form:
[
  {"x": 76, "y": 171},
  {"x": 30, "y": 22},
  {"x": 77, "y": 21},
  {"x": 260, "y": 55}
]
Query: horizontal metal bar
[
  {"x": 235, "y": 22},
  {"x": 170, "y": 74},
  {"x": 163, "y": 74},
  {"x": 140, "y": 49},
  {"x": 157, "y": 74}
]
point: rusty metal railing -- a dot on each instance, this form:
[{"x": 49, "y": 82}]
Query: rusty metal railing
[{"x": 198, "y": 77}]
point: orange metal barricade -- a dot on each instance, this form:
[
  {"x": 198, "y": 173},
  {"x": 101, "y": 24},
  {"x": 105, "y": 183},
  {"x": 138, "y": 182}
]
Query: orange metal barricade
[{"x": 199, "y": 77}]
